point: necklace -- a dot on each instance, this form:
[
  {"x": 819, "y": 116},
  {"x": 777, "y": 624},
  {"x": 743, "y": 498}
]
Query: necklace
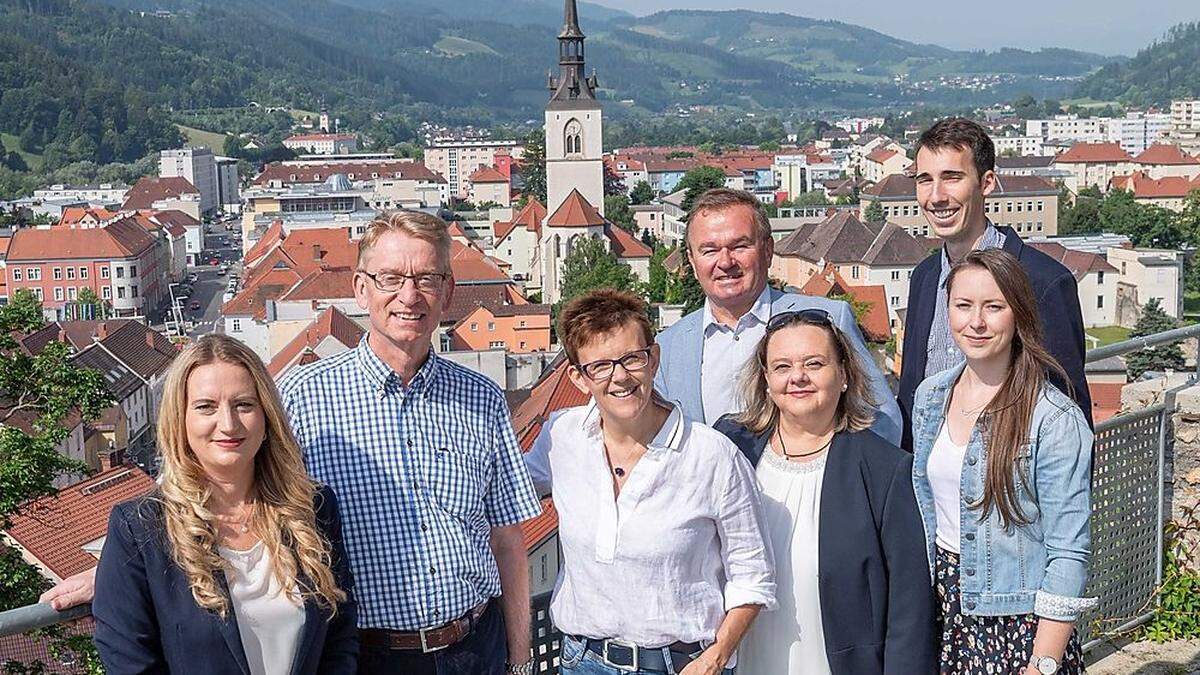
[
  {"x": 242, "y": 525},
  {"x": 783, "y": 447}
]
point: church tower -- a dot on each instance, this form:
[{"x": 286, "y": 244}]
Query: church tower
[{"x": 574, "y": 147}]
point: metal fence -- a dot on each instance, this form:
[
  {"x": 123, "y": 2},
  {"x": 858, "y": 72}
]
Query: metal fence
[{"x": 1130, "y": 506}]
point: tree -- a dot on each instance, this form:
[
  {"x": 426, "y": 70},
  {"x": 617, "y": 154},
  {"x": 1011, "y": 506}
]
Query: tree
[
  {"x": 91, "y": 306},
  {"x": 589, "y": 265},
  {"x": 614, "y": 184},
  {"x": 1161, "y": 358},
  {"x": 874, "y": 212},
  {"x": 642, "y": 193},
  {"x": 698, "y": 181},
  {"x": 37, "y": 394},
  {"x": 859, "y": 307},
  {"x": 616, "y": 209},
  {"x": 812, "y": 198},
  {"x": 690, "y": 293},
  {"x": 533, "y": 167}
]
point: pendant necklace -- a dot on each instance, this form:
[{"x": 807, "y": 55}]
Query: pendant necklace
[{"x": 783, "y": 447}]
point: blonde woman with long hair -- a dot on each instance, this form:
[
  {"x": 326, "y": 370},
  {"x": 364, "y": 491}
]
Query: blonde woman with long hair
[{"x": 235, "y": 563}]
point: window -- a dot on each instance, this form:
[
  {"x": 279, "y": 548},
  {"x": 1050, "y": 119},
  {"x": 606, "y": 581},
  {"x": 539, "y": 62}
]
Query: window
[
  {"x": 83, "y": 272},
  {"x": 521, "y": 323},
  {"x": 120, "y": 292},
  {"x": 895, "y": 275},
  {"x": 236, "y": 325},
  {"x": 133, "y": 291},
  {"x": 491, "y": 326},
  {"x": 1099, "y": 302},
  {"x": 1041, "y": 205},
  {"x": 474, "y": 327},
  {"x": 70, "y": 272},
  {"x": 494, "y": 344},
  {"x": 1100, "y": 277},
  {"x": 895, "y": 301},
  {"x": 854, "y": 272},
  {"x": 38, "y": 292},
  {"x": 522, "y": 344},
  {"x": 104, "y": 272},
  {"x": 58, "y": 293},
  {"x": 133, "y": 271},
  {"x": 33, "y": 273},
  {"x": 106, "y": 292},
  {"x": 1018, "y": 207},
  {"x": 71, "y": 293},
  {"x": 16, "y": 274},
  {"x": 1009, "y": 207},
  {"x": 57, "y": 274},
  {"x": 120, "y": 272}
]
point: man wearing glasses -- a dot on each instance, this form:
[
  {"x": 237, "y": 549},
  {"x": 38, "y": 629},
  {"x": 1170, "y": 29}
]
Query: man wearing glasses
[
  {"x": 728, "y": 242},
  {"x": 428, "y": 473}
]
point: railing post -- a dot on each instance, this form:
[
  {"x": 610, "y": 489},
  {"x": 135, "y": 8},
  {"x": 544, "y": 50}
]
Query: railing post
[{"x": 1164, "y": 437}]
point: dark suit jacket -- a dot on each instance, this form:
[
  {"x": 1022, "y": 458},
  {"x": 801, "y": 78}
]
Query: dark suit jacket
[
  {"x": 1058, "y": 306},
  {"x": 148, "y": 622},
  {"x": 877, "y": 603}
]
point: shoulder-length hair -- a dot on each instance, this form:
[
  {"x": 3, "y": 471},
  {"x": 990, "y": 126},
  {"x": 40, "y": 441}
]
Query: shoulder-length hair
[
  {"x": 283, "y": 515},
  {"x": 1007, "y": 416},
  {"x": 856, "y": 408}
]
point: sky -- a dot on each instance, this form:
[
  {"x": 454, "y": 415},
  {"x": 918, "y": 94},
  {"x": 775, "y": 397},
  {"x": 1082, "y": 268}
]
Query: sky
[{"x": 1101, "y": 26}]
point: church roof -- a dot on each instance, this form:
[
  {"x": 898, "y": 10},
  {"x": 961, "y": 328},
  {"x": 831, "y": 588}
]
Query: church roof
[{"x": 575, "y": 211}]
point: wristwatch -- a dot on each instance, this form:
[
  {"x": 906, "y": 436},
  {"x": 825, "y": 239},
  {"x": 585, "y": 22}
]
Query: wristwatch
[
  {"x": 1045, "y": 665},
  {"x": 523, "y": 669}
]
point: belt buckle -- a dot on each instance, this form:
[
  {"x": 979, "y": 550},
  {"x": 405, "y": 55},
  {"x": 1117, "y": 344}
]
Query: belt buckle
[
  {"x": 632, "y": 649},
  {"x": 425, "y": 648}
]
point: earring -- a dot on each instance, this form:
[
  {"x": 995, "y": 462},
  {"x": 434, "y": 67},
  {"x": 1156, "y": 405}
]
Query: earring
[{"x": 845, "y": 386}]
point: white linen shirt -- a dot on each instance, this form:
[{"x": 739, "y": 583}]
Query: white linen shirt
[
  {"x": 664, "y": 561},
  {"x": 726, "y": 351}
]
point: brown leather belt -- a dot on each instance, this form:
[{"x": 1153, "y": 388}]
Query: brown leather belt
[{"x": 427, "y": 640}]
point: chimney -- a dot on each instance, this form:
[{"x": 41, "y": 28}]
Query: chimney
[
  {"x": 150, "y": 339},
  {"x": 316, "y": 248},
  {"x": 102, "y": 330}
]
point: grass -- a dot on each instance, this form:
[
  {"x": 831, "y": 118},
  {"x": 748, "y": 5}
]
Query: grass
[
  {"x": 214, "y": 141},
  {"x": 13, "y": 143},
  {"x": 1106, "y": 335},
  {"x": 456, "y": 46}
]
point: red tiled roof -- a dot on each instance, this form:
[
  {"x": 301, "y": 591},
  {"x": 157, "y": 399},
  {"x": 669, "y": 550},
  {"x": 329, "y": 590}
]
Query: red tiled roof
[
  {"x": 330, "y": 323},
  {"x": 575, "y": 211},
  {"x": 122, "y": 238},
  {"x": 252, "y": 300},
  {"x": 25, "y": 649},
  {"x": 324, "y": 284},
  {"x": 175, "y": 217},
  {"x": 1093, "y": 153},
  {"x": 625, "y": 245},
  {"x": 881, "y": 155},
  {"x": 876, "y": 326},
  {"x": 470, "y": 265},
  {"x": 487, "y": 174},
  {"x": 531, "y": 217},
  {"x": 74, "y": 214},
  {"x": 1166, "y": 154},
  {"x": 1145, "y": 187},
  {"x": 553, "y": 391},
  {"x": 54, "y": 529},
  {"x": 467, "y": 297},
  {"x": 539, "y": 529},
  {"x": 308, "y": 172},
  {"x": 149, "y": 189},
  {"x": 270, "y": 239},
  {"x": 1079, "y": 262}
]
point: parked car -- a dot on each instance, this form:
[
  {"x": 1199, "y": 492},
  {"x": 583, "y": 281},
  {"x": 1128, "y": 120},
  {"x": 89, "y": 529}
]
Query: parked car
[{"x": 194, "y": 305}]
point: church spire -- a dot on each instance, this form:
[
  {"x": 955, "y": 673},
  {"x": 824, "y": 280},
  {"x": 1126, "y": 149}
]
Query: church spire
[{"x": 572, "y": 83}]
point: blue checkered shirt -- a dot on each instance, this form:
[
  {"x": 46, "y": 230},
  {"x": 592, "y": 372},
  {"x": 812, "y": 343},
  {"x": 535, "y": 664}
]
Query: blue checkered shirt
[{"x": 422, "y": 475}]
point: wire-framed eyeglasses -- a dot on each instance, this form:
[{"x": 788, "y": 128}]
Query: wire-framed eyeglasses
[
  {"x": 603, "y": 369},
  {"x": 390, "y": 282}
]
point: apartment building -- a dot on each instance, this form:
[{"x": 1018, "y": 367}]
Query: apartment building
[
  {"x": 1094, "y": 164},
  {"x": 1184, "y": 129},
  {"x": 199, "y": 167},
  {"x": 456, "y": 159},
  {"x": 1028, "y": 204},
  {"x": 322, "y": 144}
]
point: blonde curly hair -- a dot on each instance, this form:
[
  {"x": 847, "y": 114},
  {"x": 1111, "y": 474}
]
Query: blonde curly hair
[{"x": 283, "y": 515}]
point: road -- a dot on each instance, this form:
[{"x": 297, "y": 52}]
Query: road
[{"x": 210, "y": 285}]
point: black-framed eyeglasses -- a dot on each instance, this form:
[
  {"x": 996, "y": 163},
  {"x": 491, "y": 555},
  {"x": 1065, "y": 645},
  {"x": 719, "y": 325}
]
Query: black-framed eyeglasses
[
  {"x": 390, "y": 282},
  {"x": 604, "y": 368},
  {"x": 812, "y": 316}
]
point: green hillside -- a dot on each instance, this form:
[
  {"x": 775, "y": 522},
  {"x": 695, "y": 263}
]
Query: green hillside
[{"x": 1168, "y": 69}]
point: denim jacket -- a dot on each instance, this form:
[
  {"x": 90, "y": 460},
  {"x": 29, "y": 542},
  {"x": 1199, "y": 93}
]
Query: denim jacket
[{"x": 1041, "y": 567}]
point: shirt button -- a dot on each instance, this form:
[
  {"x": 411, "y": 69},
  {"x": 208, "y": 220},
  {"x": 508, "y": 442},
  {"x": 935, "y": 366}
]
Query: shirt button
[
  {"x": 970, "y": 536},
  {"x": 949, "y": 350},
  {"x": 409, "y": 442},
  {"x": 970, "y": 571},
  {"x": 424, "y": 527},
  {"x": 970, "y": 604},
  {"x": 436, "y": 612},
  {"x": 971, "y": 460},
  {"x": 432, "y": 569},
  {"x": 735, "y": 337}
]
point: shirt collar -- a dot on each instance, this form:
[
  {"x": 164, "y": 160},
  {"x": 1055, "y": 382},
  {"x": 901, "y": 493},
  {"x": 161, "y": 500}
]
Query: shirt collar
[
  {"x": 669, "y": 437},
  {"x": 991, "y": 238},
  {"x": 382, "y": 375},
  {"x": 760, "y": 310}
]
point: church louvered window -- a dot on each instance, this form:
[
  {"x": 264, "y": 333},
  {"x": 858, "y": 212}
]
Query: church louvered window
[{"x": 573, "y": 138}]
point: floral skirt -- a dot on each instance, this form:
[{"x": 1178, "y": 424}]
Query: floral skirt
[{"x": 987, "y": 645}]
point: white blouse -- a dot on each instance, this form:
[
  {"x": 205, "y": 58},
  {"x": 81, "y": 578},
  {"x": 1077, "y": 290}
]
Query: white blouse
[
  {"x": 268, "y": 621},
  {"x": 945, "y": 480},
  {"x": 792, "y": 638},
  {"x": 681, "y": 544}
]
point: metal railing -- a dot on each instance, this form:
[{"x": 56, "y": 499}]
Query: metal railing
[{"x": 1129, "y": 509}]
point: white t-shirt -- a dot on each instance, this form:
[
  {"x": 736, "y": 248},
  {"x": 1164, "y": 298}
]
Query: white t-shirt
[
  {"x": 945, "y": 478},
  {"x": 268, "y": 621}
]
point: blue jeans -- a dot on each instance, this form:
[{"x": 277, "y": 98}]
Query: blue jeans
[
  {"x": 483, "y": 652},
  {"x": 576, "y": 660}
]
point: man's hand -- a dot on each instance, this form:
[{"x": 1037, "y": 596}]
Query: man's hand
[
  {"x": 76, "y": 589},
  {"x": 508, "y": 546},
  {"x": 702, "y": 665}
]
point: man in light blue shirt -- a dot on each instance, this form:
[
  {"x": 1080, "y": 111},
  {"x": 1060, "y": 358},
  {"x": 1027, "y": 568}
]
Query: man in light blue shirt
[{"x": 728, "y": 241}]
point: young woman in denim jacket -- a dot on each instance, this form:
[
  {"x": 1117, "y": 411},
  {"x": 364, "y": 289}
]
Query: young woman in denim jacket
[{"x": 1001, "y": 470}]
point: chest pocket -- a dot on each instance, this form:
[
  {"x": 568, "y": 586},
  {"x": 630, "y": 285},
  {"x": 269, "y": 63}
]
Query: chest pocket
[{"x": 456, "y": 468}]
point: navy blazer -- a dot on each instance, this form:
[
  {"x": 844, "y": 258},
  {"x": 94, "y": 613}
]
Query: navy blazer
[
  {"x": 148, "y": 622},
  {"x": 877, "y": 603},
  {"x": 1058, "y": 306}
]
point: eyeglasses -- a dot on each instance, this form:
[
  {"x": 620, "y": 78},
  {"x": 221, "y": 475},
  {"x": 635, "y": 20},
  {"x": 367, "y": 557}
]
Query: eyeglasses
[
  {"x": 816, "y": 317},
  {"x": 390, "y": 282},
  {"x": 604, "y": 368}
]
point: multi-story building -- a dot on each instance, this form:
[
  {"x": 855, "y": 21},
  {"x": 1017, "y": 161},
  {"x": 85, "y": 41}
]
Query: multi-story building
[
  {"x": 1169, "y": 192},
  {"x": 392, "y": 183},
  {"x": 322, "y": 144},
  {"x": 1019, "y": 146},
  {"x": 118, "y": 261},
  {"x": 229, "y": 198},
  {"x": 1042, "y": 167},
  {"x": 1094, "y": 164},
  {"x": 799, "y": 173},
  {"x": 489, "y": 184},
  {"x": 517, "y": 328},
  {"x": 1027, "y": 204},
  {"x": 1162, "y": 160},
  {"x": 164, "y": 194},
  {"x": 455, "y": 159},
  {"x": 1184, "y": 130},
  {"x": 334, "y": 203},
  {"x": 1095, "y": 278},
  {"x": 883, "y": 162},
  {"x": 1137, "y": 131},
  {"x": 1145, "y": 274},
  {"x": 199, "y": 167},
  {"x": 104, "y": 194},
  {"x": 1068, "y": 128}
]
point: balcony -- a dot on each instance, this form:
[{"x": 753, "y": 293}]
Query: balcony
[{"x": 1131, "y": 503}]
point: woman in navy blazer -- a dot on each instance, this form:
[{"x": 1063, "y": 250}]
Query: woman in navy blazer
[
  {"x": 235, "y": 563},
  {"x": 825, "y": 475}
]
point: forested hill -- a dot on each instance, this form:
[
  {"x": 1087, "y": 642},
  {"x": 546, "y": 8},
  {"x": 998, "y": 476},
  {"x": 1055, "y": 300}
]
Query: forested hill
[{"x": 1168, "y": 69}]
